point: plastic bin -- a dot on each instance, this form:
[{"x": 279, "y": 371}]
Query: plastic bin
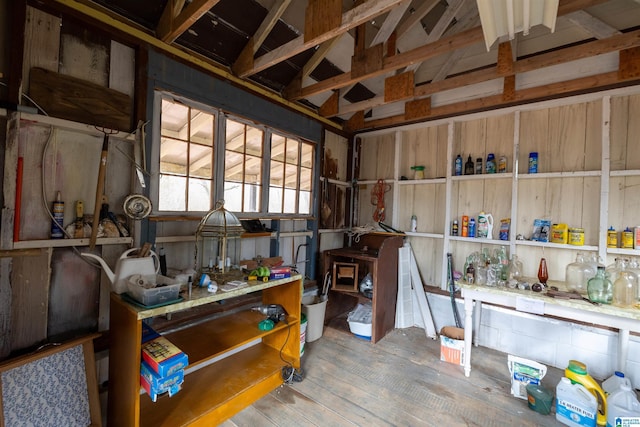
[
  {"x": 314, "y": 308},
  {"x": 360, "y": 321},
  {"x": 166, "y": 289}
]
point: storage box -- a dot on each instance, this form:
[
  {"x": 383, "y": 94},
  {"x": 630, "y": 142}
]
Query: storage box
[
  {"x": 163, "y": 357},
  {"x": 452, "y": 345},
  {"x": 166, "y": 289},
  {"x": 360, "y": 321},
  {"x": 155, "y": 385},
  {"x": 280, "y": 273}
]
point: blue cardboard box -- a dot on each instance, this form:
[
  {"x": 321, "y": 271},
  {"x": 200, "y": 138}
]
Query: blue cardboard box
[{"x": 155, "y": 385}]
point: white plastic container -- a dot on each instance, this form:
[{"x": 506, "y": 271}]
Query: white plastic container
[
  {"x": 360, "y": 321},
  {"x": 613, "y": 383},
  {"x": 575, "y": 405},
  {"x": 165, "y": 290},
  {"x": 623, "y": 408}
]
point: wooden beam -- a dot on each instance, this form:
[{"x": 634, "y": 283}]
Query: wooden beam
[
  {"x": 171, "y": 11},
  {"x": 321, "y": 16},
  {"x": 330, "y": 106},
  {"x": 505, "y": 59},
  {"x": 350, "y": 19},
  {"x": 629, "y": 63},
  {"x": 592, "y": 25},
  {"x": 355, "y": 122},
  {"x": 415, "y": 16},
  {"x": 368, "y": 61},
  {"x": 172, "y": 29},
  {"x": 399, "y": 87},
  {"x": 509, "y": 88},
  {"x": 390, "y": 23},
  {"x": 418, "y": 109},
  {"x": 317, "y": 57}
]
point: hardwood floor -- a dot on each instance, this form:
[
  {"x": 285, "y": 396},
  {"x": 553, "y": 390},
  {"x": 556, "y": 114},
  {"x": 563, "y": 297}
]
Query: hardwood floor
[{"x": 400, "y": 381}]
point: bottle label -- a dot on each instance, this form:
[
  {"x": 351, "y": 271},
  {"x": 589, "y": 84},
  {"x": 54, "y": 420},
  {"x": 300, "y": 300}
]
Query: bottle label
[
  {"x": 533, "y": 163},
  {"x": 58, "y": 215}
]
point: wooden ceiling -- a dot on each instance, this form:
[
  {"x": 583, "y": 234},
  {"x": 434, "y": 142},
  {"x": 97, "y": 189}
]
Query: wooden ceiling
[{"x": 368, "y": 64}]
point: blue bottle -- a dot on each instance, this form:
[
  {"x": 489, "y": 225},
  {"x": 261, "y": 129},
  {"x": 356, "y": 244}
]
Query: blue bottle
[
  {"x": 491, "y": 163},
  {"x": 472, "y": 227},
  {"x": 458, "y": 165}
]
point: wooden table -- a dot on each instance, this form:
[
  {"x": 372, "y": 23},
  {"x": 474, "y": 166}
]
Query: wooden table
[{"x": 623, "y": 319}]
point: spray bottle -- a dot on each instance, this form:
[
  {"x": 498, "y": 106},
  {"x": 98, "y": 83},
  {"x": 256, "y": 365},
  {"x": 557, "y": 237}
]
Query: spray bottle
[
  {"x": 58, "y": 218},
  {"x": 577, "y": 373}
]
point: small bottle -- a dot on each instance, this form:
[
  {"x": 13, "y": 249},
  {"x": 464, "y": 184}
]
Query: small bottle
[
  {"x": 458, "y": 165},
  {"x": 454, "y": 228},
  {"x": 468, "y": 166},
  {"x": 479, "y": 166},
  {"x": 465, "y": 226},
  {"x": 612, "y": 238},
  {"x": 470, "y": 276},
  {"x": 414, "y": 223},
  {"x": 491, "y": 163},
  {"x": 533, "y": 162},
  {"x": 502, "y": 164},
  {"x": 58, "y": 218},
  {"x": 472, "y": 227}
]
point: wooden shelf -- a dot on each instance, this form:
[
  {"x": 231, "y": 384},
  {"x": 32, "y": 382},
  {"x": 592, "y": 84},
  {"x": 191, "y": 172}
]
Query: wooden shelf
[{"x": 65, "y": 243}]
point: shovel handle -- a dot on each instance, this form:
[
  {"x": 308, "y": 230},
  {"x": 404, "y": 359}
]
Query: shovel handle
[{"x": 99, "y": 191}]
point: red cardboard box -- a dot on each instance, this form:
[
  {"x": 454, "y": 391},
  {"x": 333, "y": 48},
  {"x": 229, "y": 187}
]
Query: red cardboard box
[
  {"x": 280, "y": 273},
  {"x": 163, "y": 357}
]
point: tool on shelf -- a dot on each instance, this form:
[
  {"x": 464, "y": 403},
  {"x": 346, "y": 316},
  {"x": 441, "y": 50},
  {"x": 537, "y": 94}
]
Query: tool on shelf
[{"x": 102, "y": 171}]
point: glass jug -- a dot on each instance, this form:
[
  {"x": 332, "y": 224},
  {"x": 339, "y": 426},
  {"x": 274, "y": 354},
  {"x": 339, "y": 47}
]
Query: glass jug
[
  {"x": 600, "y": 288},
  {"x": 625, "y": 289},
  {"x": 578, "y": 273},
  {"x": 515, "y": 268}
]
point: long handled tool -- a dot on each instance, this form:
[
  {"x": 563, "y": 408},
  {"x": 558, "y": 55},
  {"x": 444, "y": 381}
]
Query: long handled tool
[
  {"x": 100, "y": 187},
  {"x": 452, "y": 291}
]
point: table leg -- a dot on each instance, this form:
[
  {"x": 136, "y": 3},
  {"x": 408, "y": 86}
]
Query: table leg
[
  {"x": 623, "y": 349},
  {"x": 468, "y": 334},
  {"x": 477, "y": 315}
]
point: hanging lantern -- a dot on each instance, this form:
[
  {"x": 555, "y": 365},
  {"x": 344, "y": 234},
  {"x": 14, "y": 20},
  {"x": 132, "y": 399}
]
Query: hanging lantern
[{"x": 217, "y": 241}]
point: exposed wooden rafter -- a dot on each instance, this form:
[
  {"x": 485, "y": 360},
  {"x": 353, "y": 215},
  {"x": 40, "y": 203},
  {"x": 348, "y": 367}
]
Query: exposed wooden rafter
[{"x": 173, "y": 22}]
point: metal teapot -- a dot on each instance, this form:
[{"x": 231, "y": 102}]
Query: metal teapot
[{"x": 127, "y": 266}]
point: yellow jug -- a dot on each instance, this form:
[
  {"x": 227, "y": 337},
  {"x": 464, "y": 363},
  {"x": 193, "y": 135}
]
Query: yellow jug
[{"x": 577, "y": 373}]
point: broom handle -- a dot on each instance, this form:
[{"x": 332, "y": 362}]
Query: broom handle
[{"x": 99, "y": 191}]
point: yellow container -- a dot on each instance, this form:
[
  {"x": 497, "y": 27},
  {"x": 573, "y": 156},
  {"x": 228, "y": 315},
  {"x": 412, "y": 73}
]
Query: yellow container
[
  {"x": 559, "y": 233},
  {"x": 627, "y": 239},
  {"x": 577, "y": 372},
  {"x": 576, "y": 236},
  {"x": 612, "y": 238}
]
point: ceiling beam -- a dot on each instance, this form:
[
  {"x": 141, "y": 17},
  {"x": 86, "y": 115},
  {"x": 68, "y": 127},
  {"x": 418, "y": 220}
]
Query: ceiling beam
[
  {"x": 318, "y": 56},
  {"x": 350, "y": 19},
  {"x": 592, "y": 25},
  {"x": 171, "y": 10},
  {"x": 421, "y": 53},
  {"x": 415, "y": 17},
  {"x": 174, "y": 25},
  {"x": 390, "y": 23}
]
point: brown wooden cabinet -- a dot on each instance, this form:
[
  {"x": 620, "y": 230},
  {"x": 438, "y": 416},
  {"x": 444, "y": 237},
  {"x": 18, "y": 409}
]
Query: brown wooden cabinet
[
  {"x": 375, "y": 253},
  {"x": 232, "y": 363}
]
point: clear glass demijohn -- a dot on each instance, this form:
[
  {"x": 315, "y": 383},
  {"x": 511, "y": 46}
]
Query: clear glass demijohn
[{"x": 578, "y": 273}]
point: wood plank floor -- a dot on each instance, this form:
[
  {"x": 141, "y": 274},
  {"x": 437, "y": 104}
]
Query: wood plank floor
[{"x": 400, "y": 381}]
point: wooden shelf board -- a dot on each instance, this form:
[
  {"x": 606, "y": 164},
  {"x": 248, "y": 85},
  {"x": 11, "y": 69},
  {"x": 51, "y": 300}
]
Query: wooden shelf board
[
  {"x": 63, "y": 243},
  {"x": 215, "y": 337},
  {"x": 215, "y": 392}
]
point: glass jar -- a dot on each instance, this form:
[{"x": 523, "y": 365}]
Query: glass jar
[
  {"x": 625, "y": 289},
  {"x": 613, "y": 270},
  {"x": 634, "y": 267},
  {"x": 600, "y": 288},
  {"x": 515, "y": 268},
  {"x": 578, "y": 273}
]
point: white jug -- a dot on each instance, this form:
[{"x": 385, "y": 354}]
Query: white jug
[
  {"x": 127, "y": 266},
  {"x": 485, "y": 226}
]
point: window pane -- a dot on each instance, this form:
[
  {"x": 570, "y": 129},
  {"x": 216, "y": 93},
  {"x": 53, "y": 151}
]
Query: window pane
[
  {"x": 292, "y": 151},
  {"x": 252, "y": 198},
  {"x": 233, "y": 196},
  {"x": 233, "y": 166},
  {"x": 289, "y": 201},
  {"x": 174, "y": 118},
  {"x": 305, "y": 202},
  {"x": 199, "y": 195},
  {"x": 305, "y": 179},
  {"x": 235, "y": 136},
  {"x": 253, "y": 169},
  {"x": 276, "y": 173},
  {"x": 277, "y": 147},
  {"x": 172, "y": 193},
  {"x": 275, "y": 199},
  {"x": 255, "y": 137},
  {"x": 201, "y": 161},
  {"x": 173, "y": 156},
  {"x": 307, "y": 155},
  {"x": 291, "y": 176},
  {"x": 202, "y": 127}
]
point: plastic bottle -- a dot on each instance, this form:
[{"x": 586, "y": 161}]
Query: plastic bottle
[
  {"x": 623, "y": 403},
  {"x": 468, "y": 166},
  {"x": 600, "y": 288},
  {"x": 577, "y": 372},
  {"x": 502, "y": 164},
  {"x": 454, "y": 228},
  {"x": 479, "y": 166},
  {"x": 485, "y": 226},
  {"x": 414, "y": 223},
  {"x": 465, "y": 226},
  {"x": 578, "y": 273},
  {"x": 612, "y": 383},
  {"x": 491, "y": 163},
  {"x": 472, "y": 227},
  {"x": 458, "y": 165},
  {"x": 612, "y": 238},
  {"x": 625, "y": 289},
  {"x": 575, "y": 405},
  {"x": 533, "y": 162}
]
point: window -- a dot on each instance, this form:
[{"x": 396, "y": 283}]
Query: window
[
  {"x": 260, "y": 171},
  {"x": 186, "y": 158},
  {"x": 243, "y": 167},
  {"x": 290, "y": 176}
]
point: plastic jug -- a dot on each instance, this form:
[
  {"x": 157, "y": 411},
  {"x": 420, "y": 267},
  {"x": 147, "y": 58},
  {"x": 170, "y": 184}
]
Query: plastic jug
[
  {"x": 575, "y": 405},
  {"x": 485, "y": 226},
  {"x": 577, "y": 373},
  {"x": 623, "y": 405},
  {"x": 612, "y": 384}
]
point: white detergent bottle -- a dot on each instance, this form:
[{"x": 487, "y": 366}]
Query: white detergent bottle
[
  {"x": 612, "y": 384},
  {"x": 485, "y": 226},
  {"x": 575, "y": 405},
  {"x": 623, "y": 408}
]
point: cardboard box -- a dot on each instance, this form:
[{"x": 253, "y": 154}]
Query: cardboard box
[
  {"x": 155, "y": 385},
  {"x": 452, "y": 345},
  {"x": 163, "y": 357},
  {"x": 280, "y": 273}
]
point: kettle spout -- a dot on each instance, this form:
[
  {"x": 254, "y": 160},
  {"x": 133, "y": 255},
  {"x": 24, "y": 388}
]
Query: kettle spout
[{"x": 104, "y": 265}]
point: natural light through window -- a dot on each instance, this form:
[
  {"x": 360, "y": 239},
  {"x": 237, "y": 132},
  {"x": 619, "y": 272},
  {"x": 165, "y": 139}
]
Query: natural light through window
[
  {"x": 290, "y": 176},
  {"x": 243, "y": 167}
]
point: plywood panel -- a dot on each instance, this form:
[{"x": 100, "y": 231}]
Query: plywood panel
[
  {"x": 336, "y": 150},
  {"x": 85, "y": 56},
  {"x": 426, "y": 201},
  {"x": 497, "y": 201},
  {"x": 566, "y": 138},
  {"x": 615, "y": 214},
  {"x": 366, "y": 207},
  {"x": 593, "y": 136},
  {"x": 377, "y": 157},
  {"x": 122, "y": 68},
  {"x": 428, "y": 255},
  {"x": 631, "y": 203},
  {"x": 534, "y": 126},
  {"x": 531, "y": 205},
  {"x": 470, "y": 139},
  {"x": 41, "y": 43},
  {"x": 618, "y": 132},
  {"x": 633, "y": 132},
  {"x": 500, "y": 138}
]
